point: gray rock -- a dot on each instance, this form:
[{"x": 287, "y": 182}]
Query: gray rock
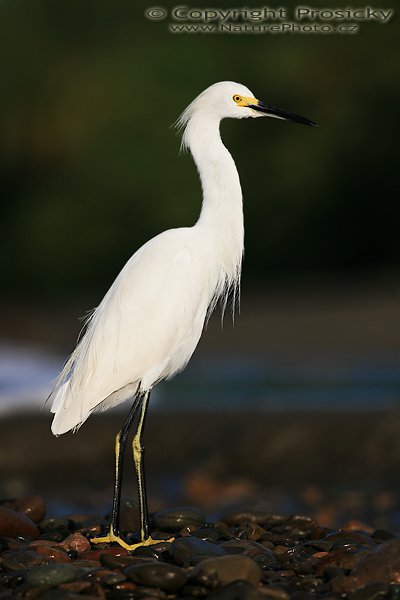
[
  {"x": 18, "y": 560},
  {"x": 186, "y": 551},
  {"x": 226, "y": 569},
  {"x": 169, "y": 578},
  {"x": 53, "y": 574},
  {"x": 174, "y": 519},
  {"x": 54, "y": 524},
  {"x": 239, "y": 590}
]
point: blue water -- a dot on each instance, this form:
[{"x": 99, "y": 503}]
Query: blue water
[{"x": 236, "y": 383}]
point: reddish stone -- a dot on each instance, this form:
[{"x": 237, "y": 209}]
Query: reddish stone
[
  {"x": 91, "y": 555},
  {"x": 76, "y": 587},
  {"x": 76, "y": 542},
  {"x": 53, "y": 554},
  {"x": 13, "y": 523}
]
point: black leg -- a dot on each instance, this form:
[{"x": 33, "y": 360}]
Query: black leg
[
  {"x": 120, "y": 445},
  {"x": 138, "y": 449}
]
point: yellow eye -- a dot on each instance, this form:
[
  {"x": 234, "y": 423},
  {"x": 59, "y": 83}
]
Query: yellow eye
[{"x": 237, "y": 98}]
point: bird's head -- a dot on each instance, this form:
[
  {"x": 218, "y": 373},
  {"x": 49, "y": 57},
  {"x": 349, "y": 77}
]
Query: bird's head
[{"x": 228, "y": 99}]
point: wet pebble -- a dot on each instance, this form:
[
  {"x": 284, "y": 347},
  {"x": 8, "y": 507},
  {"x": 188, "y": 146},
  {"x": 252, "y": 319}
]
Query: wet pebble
[
  {"x": 52, "y": 575},
  {"x": 169, "y": 578},
  {"x": 53, "y": 554},
  {"x": 13, "y": 524},
  {"x": 16, "y": 560},
  {"x": 33, "y": 507},
  {"x": 174, "y": 519},
  {"x": 77, "y": 542},
  {"x": 184, "y": 551},
  {"x": 263, "y": 518},
  {"x": 238, "y": 590},
  {"x": 226, "y": 569},
  {"x": 55, "y": 524}
]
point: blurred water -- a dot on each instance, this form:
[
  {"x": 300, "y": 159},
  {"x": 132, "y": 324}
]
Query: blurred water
[{"x": 236, "y": 383}]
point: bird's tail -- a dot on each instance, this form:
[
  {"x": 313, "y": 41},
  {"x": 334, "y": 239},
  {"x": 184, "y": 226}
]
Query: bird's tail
[{"x": 67, "y": 415}]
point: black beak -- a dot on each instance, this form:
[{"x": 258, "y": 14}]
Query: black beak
[{"x": 272, "y": 111}]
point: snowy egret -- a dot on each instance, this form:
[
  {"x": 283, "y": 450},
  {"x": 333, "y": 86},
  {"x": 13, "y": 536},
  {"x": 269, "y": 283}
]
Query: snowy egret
[{"x": 150, "y": 321}]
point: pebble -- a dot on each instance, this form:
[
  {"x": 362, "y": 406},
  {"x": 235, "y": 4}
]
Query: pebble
[
  {"x": 33, "y": 507},
  {"x": 17, "y": 560},
  {"x": 207, "y": 534},
  {"x": 226, "y": 569},
  {"x": 249, "y": 555},
  {"x": 13, "y": 524},
  {"x": 169, "y": 578},
  {"x": 76, "y": 542},
  {"x": 174, "y": 519},
  {"x": 184, "y": 550},
  {"x": 53, "y": 554},
  {"x": 238, "y": 590},
  {"x": 55, "y": 524},
  {"x": 253, "y": 516},
  {"x": 52, "y": 575}
]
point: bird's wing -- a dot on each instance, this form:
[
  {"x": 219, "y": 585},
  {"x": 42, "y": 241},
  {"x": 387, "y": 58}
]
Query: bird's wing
[{"x": 155, "y": 307}]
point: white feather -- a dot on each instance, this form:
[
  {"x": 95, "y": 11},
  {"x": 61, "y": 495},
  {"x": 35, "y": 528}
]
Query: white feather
[{"x": 151, "y": 319}]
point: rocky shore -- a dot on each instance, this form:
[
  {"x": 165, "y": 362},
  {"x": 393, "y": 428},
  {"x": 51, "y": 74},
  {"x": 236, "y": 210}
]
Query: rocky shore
[{"x": 244, "y": 555}]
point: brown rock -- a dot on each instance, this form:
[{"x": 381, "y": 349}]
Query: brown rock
[
  {"x": 75, "y": 586},
  {"x": 76, "y": 542},
  {"x": 341, "y": 558},
  {"x": 33, "y": 507},
  {"x": 13, "y": 523},
  {"x": 382, "y": 566},
  {"x": 53, "y": 554},
  {"x": 226, "y": 569},
  {"x": 18, "y": 560}
]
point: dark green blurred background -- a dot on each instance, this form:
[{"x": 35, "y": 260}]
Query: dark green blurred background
[
  {"x": 90, "y": 168},
  {"x": 302, "y": 393}
]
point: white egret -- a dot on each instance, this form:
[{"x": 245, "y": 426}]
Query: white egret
[{"x": 150, "y": 321}]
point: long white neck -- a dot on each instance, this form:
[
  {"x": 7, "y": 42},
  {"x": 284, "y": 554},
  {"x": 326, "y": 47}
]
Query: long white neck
[{"x": 222, "y": 209}]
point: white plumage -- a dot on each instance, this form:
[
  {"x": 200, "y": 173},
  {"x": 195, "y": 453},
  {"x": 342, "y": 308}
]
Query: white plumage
[{"x": 151, "y": 319}]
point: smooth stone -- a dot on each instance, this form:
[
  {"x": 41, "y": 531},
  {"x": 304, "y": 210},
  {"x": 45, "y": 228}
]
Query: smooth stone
[
  {"x": 207, "y": 534},
  {"x": 55, "y": 524},
  {"x": 53, "y": 554},
  {"x": 16, "y": 560},
  {"x": 263, "y": 556},
  {"x": 382, "y": 566},
  {"x": 110, "y": 561},
  {"x": 169, "y": 578},
  {"x": 174, "y": 519},
  {"x": 76, "y": 542},
  {"x": 226, "y": 569},
  {"x": 77, "y": 587},
  {"x": 276, "y": 592},
  {"x": 108, "y": 577},
  {"x": 184, "y": 550},
  {"x": 261, "y": 517},
  {"x": 342, "y": 558},
  {"x": 32, "y": 506},
  {"x": 373, "y": 591},
  {"x": 54, "y": 574},
  {"x": 13, "y": 524},
  {"x": 238, "y": 590},
  {"x": 148, "y": 552}
]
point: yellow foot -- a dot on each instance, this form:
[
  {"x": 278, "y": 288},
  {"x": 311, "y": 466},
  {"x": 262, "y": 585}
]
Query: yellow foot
[{"x": 111, "y": 537}]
